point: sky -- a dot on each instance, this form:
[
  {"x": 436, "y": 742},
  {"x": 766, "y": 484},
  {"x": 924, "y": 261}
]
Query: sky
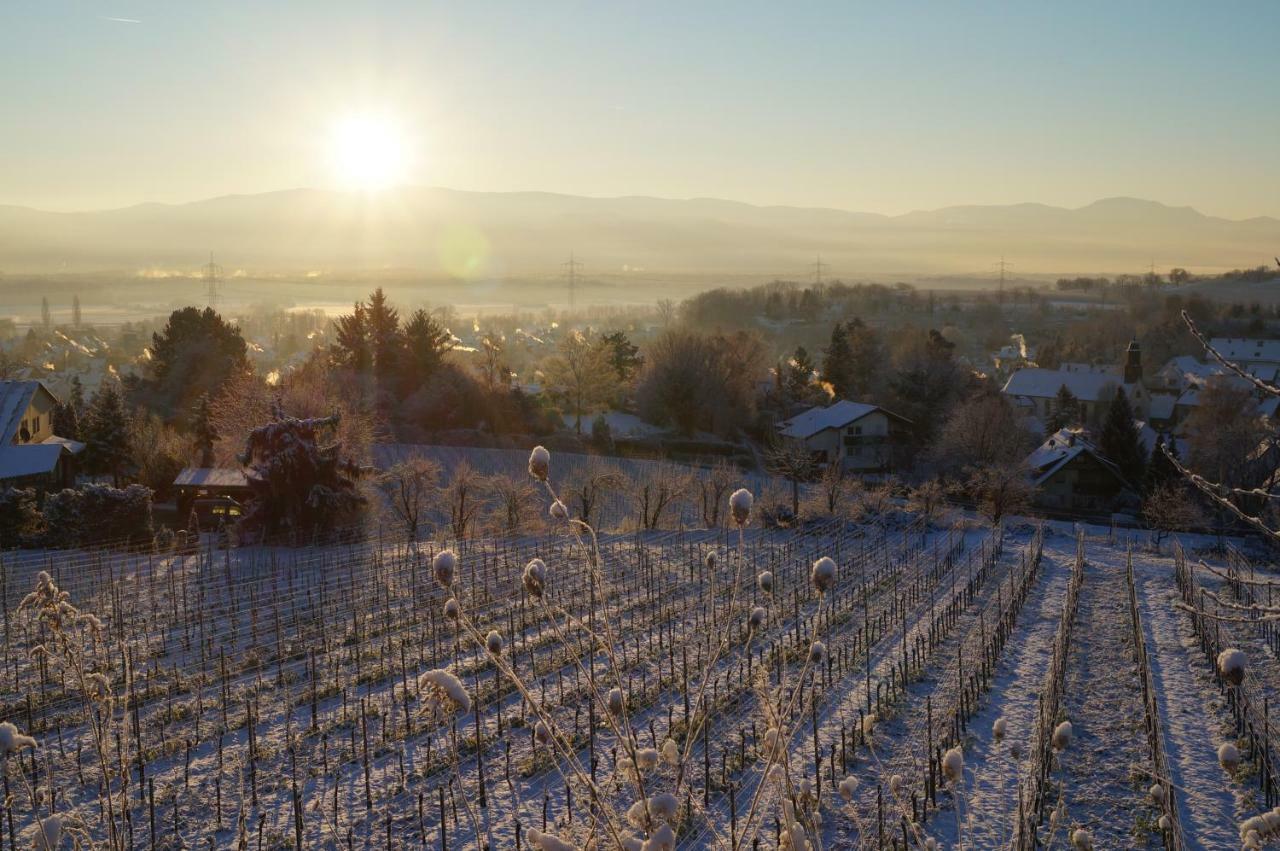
[{"x": 873, "y": 106}]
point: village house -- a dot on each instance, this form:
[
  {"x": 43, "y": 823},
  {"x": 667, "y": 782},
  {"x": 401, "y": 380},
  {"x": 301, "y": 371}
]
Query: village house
[
  {"x": 1035, "y": 390},
  {"x": 862, "y": 438},
  {"x": 1071, "y": 474},
  {"x": 31, "y": 455}
]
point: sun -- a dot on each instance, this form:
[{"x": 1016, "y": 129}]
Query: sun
[{"x": 367, "y": 151}]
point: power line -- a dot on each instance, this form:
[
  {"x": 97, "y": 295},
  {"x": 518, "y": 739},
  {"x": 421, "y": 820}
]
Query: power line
[
  {"x": 572, "y": 264},
  {"x": 212, "y": 278},
  {"x": 818, "y": 266},
  {"x": 1002, "y": 265}
]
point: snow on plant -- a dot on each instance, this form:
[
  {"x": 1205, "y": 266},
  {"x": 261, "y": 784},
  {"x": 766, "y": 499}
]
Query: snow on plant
[
  {"x": 740, "y": 502},
  {"x": 12, "y": 741},
  {"x": 998, "y": 728},
  {"x": 535, "y": 578},
  {"x": 540, "y": 463},
  {"x": 443, "y": 566},
  {"x": 68, "y": 640},
  {"x": 953, "y": 766},
  {"x": 765, "y": 581},
  {"x": 1231, "y": 665},
  {"x": 548, "y": 841},
  {"x": 1061, "y": 739},
  {"x": 1228, "y": 757},
  {"x": 757, "y": 618},
  {"x": 823, "y": 574},
  {"x": 1081, "y": 840},
  {"x": 443, "y": 695},
  {"x": 493, "y": 642}
]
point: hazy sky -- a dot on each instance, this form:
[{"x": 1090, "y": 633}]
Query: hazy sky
[{"x": 878, "y": 106}]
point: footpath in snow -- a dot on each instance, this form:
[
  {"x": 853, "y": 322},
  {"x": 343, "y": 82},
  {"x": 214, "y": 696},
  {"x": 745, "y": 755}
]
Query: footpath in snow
[
  {"x": 993, "y": 769},
  {"x": 1192, "y": 713}
]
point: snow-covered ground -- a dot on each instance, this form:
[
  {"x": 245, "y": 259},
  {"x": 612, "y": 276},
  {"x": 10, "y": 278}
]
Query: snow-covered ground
[{"x": 280, "y": 687}]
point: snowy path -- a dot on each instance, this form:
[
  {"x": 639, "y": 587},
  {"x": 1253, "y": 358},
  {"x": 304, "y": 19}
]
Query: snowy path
[
  {"x": 1191, "y": 712},
  {"x": 993, "y": 789},
  {"x": 1103, "y": 701}
]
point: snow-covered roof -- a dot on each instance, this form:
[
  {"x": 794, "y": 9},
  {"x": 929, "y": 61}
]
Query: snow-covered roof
[
  {"x": 1161, "y": 406},
  {"x": 1061, "y": 448},
  {"x": 211, "y": 477},
  {"x": 32, "y": 459},
  {"x": 837, "y": 415},
  {"x": 1247, "y": 349},
  {"x": 1039, "y": 383},
  {"x": 75, "y": 447},
  {"x": 15, "y": 398}
]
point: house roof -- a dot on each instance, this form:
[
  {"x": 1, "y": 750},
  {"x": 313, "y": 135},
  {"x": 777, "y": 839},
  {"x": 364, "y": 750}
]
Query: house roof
[
  {"x": 1039, "y": 383},
  {"x": 211, "y": 477},
  {"x": 819, "y": 419},
  {"x": 1247, "y": 349},
  {"x": 15, "y": 398},
  {"x": 1162, "y": 405},
  {"x": 31, "y": 459},
  {"x": 1061, "y": 448}
]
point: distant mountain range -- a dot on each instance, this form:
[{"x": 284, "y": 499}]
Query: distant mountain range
[{"x": 448, "y": 233}]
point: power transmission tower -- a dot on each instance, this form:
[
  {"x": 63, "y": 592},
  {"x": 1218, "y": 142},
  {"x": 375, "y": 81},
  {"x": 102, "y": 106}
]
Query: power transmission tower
[
  {"x": 572, "y": 265},
  {"x": 212, "y": 278},
  {"x": 1002, "y": 265},
  {"x": 818, "y": 266}
]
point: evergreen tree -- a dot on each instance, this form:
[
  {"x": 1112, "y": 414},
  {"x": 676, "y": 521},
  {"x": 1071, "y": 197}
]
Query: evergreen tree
[
  {"x": 66, "y": 422},
  {"x": 1120, "y": 440},
  {"x": 837, "y": 362},
  {"x": 300, "y": 487},
  {"x": 1065, "y": 413},
  {"x": 384, "y": 335},
  {"x": 76, "y": 400},
  {"x": 867, "y": 359},
  {"x": 799, "y": 375},
  {"x": 1160, "y": 470},
  {"x": 204, "y": 431},
  {"x": 351, "y": 347},
  {"x": 197, "y": 352},
  {"x": 427, "y": 341},
  {"x": 106, "y": 431},
  {"x": 623, "y": 355}
]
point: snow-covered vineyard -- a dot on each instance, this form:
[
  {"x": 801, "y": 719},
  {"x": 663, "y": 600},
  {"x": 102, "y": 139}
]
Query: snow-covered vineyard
[{"x": 948, "y": 687}]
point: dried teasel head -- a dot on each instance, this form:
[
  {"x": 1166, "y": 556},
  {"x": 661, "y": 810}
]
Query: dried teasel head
[
  {"x": 443, "y": 567},
  {"x": 535, "y": 577},
  {"x": 540, "y": 463},
  {"x": 740, "y": 502}
]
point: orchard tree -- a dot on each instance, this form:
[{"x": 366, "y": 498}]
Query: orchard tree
[{"x": 410, "y": 488}]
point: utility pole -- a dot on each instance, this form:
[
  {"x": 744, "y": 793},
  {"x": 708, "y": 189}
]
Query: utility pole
[
  {"x": 212, "y": 277},
  {"x": 1002, "y": 265},
  {"x": 572, "y": 264},
  {"x": 818, "y": 266}
]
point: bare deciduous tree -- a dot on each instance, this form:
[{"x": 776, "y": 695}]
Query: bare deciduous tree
[
  {"x": 657, "y": 490},
  {"x": 1000, "y": 490},
  {"x": 464, "y": 495},
  {"x": 408, "y": 489},
  {"x": 1168, "y": 509},
  {"x": 713, "y": 489},
  {"x": 514, "y": 502},
  {"x": 587, "y": 488},
  {"x": 794, "y": 462},
  {"x": 929, "y": 501}
]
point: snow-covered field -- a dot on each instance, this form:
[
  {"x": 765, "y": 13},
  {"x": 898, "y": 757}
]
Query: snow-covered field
[{"x": 271, "y": 697}]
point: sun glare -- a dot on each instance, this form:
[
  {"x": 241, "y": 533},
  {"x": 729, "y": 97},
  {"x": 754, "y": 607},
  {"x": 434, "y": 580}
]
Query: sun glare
[{"x": 367, "y": 152}]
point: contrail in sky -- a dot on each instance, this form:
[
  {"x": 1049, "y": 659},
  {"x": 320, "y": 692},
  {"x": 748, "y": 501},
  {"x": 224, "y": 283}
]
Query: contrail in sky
[{"x": 120, "y": 20}]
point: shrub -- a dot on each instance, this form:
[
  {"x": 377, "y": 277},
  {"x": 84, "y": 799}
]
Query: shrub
[
  {"x": 19, "y": 517},
  {"x": 98, "y": 514}
]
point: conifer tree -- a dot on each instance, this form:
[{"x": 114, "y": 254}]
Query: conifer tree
[
  {"x": 1120, "y": 440},
  {"x": 837, "y": 362},
  {"x": 106, "y": 431}
]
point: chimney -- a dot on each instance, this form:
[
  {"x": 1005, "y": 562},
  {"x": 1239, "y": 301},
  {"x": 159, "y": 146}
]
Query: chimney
[{"x": 1133, "y": 364}]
